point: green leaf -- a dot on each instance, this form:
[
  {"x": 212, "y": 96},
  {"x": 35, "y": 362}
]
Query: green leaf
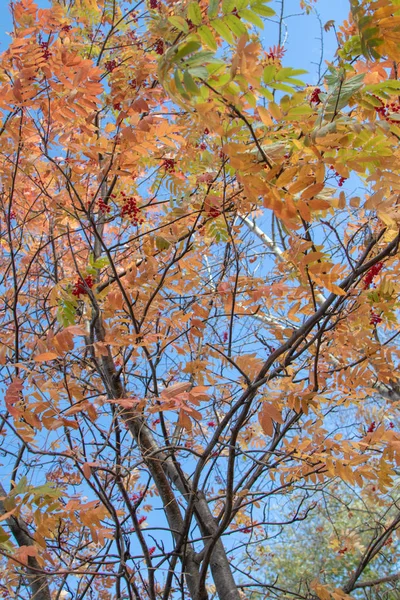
[
  {"x": 251, "y": 17},
  {"x": 203, "y": 58},
  {"x": 194, "y": 13},
  {"x": 207, "y": 37},
  {"x": 228, "y": 6},
  {"x": 223, "y": 30},
  {"x": 294, "y": 81},
  {"x": 300, "y": 111},
  {"x": 21, "y": 487},
  {"x": 213, "y": 7},
  {"x": 179, "y": 23},
  {"x": 269, "y": 74},
  {"x": 101, "y": 262},
  {"x": 200, "y": 72},
  {"x": 46, "y": 490},
  {"x": 4, "y": 537},
  {"x": 264, "y": 11},
  {"x": 235, "y": 25},
  {"x": 189, "y": 84},
  {"x": 222, "y": 80},
  {"x": 339, "y": 97},
  {"x": 162, "y": 243},
  {"x": 281, "y": 87},
  {"x": 286, "y": 74},
  {"x": 186, "y": 49},
  {"x": 179, "y": 85},
  {"x": 266, "y": 93}
]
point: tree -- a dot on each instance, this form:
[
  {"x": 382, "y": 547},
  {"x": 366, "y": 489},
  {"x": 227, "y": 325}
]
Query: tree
[{"x": 199, "y": 318}]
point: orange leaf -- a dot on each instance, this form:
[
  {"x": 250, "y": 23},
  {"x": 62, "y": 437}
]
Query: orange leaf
[
  {"x": 174, "y": 390},
  {"x": 312, "y": 191},
  {"x": 87, "y": 471},
  {"x": 45, "y": 356}
]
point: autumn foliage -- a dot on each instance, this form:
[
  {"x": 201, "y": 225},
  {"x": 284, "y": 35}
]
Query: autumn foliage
[{"x": 199, "y": 305}]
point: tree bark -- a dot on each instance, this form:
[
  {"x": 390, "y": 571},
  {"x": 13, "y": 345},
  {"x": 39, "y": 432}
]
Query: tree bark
[{"x": 37, "y": 581}]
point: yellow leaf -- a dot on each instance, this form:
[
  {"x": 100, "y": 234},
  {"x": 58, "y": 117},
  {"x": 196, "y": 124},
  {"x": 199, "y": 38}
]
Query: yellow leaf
[
  {"x": 286, "y": 177},
  {"x": 301, "y": 184},
  {"x": 265, "y": 116}
]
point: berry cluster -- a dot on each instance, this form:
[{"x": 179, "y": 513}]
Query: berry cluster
[
  {"x": 103, "y": 207},
  {"x": 371, "y": 274},
  {"x": 81, "y": 286},
  {"x": 203, "y": 146},
  {"x": 211, "y": 423},
  {"x": 110, "y": 65},
  {"x": 155, "y": 4},
  {"x": 375, "y": 319},
  {"x": 130, "y": 209},
  {"x": 341, "y": 179},
  {"x": 46, "y": 52},
  {"x": 169, "y": 165},
  {"x": 372, "y": 427},
  {"x": 213, "y": 212},
  {"x": 66, "y": 28},
  {"x": 152, "y": 550},
  {"x": 385, "y": 111},
  {"x": 315, "y": 99},
  {"x": 159, "y": 46},
  {"x": 225, "y": 336},
  {"x": 141, "y": 520},
  {"x": 206, "y": 131},
  {"x": 117, "y": 106}
]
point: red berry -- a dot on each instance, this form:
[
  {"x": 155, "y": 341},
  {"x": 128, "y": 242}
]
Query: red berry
[
  {"x": 110, "y": 65},
  {"x": 373, "y": 272},
  {"x": 159, "y": 46},
  {"x": 213, "y": 212},
  {"x": 375, "y": 319},
  {"x": 130, "y": 209},
  {"x": 81, "y": 286},
  {"x": 169, "y": 165},
  {"x": 315, "y": 99}
]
